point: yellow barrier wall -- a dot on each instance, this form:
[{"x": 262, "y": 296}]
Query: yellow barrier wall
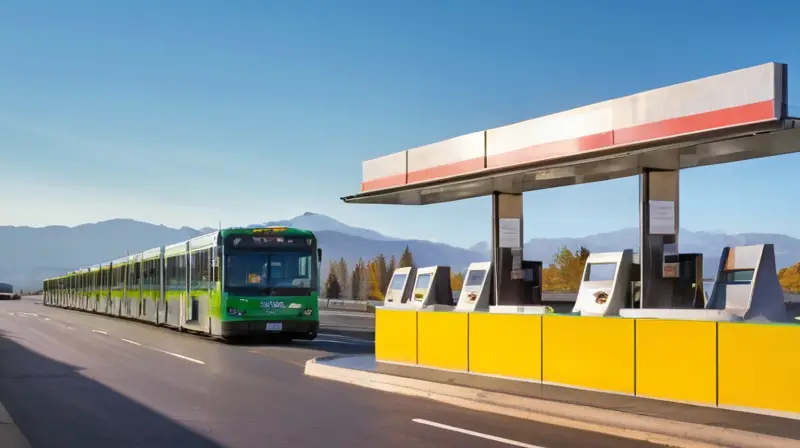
[
  {"x": 759, "y": 366},
  {"x": 396, "y": 335},
  {"x": 677, "y": 360},
  {"x": 506, "y": 345},
  {"x": 442, "y": 339},
  {"x": 589, "y": 352},
  {"x": 733, "y": 364}
]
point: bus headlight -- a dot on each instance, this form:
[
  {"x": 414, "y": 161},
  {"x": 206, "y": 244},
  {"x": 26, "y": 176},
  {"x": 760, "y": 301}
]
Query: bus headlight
[
  {"x": 308, "y": 312},
  {"x": 234, "y": 312}
]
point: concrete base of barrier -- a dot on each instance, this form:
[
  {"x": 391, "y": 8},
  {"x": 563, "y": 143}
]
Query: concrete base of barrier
[
  {"x": 359, "y": 306},
  {"x": 10, "y": 435},
  {"x": 360, "y": 371}
]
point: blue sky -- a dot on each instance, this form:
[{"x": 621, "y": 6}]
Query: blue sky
[{"x": 184, "y": 113}]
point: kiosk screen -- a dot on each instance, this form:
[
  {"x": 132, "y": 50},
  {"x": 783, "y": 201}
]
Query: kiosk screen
[
  {"x": 475, "y": 277},
  {"x": 743, "y": 276},
  {"x": 600, "y": 272},
  {"x": 398, "y": 282},
  {"x": 423, "y": 282}
]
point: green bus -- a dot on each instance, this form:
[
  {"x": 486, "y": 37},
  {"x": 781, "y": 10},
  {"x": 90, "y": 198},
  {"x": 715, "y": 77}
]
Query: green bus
[{"x": 231, "y": 283}]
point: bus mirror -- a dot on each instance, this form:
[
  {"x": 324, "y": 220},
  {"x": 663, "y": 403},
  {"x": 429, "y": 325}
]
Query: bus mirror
[{"x": 319, "y": 253}]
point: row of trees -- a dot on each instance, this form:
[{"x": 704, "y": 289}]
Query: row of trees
[
  {"x": 563, "y": 275},
  {"x": 368, "y": 280}
]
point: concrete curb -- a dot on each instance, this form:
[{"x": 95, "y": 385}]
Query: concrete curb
[
  {"x": 615, "y": 423},
  {"x": 10, "y": 434}
]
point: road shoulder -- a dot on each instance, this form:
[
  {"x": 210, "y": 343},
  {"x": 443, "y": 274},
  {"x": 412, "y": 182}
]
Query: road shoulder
[{"x": 10, "y": 434}]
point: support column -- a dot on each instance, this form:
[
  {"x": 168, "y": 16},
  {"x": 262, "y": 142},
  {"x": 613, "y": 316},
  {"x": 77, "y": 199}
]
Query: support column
[
  {"x": 657, "y": 189},
  {"x": 507, "y": 242}
]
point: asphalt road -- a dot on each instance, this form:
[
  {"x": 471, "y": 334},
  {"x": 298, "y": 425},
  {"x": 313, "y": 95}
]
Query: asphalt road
[{"x": 73, "y": 379}]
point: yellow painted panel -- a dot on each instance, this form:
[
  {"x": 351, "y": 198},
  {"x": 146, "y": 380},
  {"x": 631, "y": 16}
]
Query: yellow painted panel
[
  {"x": 589, "y": 352},
  {"x": 759, "y": 366},
  {"x": 677, "y": 360},
  {"x": 506, "y": 344},
  {"x": 396, "y": 335},
  {"x": 442, "y": 339}
]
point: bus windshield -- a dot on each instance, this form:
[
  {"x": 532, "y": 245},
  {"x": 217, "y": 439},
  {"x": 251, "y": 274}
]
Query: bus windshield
[{"x": 279, "y": 269}]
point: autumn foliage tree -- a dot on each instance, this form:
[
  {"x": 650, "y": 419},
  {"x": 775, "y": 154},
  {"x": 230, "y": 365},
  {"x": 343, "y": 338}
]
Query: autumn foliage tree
[
  {"x": 378, "y": 273},
  {"x": 375, "y": 281},
  {"x": 789, "y": 278},
  {"x": 564, "y": 274},
  {"x": 456, "y": 281}
]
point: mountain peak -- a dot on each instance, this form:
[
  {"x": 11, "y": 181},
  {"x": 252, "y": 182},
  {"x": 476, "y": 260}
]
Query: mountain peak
[{"x": 317, "y": 222}]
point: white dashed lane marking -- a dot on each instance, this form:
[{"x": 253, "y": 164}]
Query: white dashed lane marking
[
  {"x": 177, "y": 355},
  {"x": 196, "y": 361}
]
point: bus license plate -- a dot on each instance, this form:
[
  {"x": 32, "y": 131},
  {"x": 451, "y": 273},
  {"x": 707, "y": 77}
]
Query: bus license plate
[{"x": 274, "y": 326}]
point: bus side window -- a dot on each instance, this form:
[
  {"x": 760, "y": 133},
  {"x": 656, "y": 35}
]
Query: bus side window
[{"x": 215, "y": 264}]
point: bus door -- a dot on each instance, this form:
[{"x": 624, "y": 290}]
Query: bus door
[{"x": 196, "y": 310}]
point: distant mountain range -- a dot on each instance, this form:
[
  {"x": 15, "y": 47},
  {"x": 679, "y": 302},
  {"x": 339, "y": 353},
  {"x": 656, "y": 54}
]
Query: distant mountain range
[{"x": 28, "y": 255}]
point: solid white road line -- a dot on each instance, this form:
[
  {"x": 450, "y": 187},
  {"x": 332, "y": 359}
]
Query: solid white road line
[
  {"x": 475, "y": 434},
  {"x": 196, "y": 361},
  {"x": 100, "y": 332},
  {"x": 131, "y": 342}
]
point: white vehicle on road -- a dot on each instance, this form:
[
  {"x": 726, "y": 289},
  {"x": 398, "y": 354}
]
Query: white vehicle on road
[{"x": 7, "y": 292}]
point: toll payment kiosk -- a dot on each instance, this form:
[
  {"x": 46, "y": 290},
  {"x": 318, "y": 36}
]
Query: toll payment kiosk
[
  {"x": 519, "y": 292},
  {"x": 431, "y": 289},
  {"x": 606, "y": 284},
  {"x": 476, "y": 291},
  {"x": 399, "y": 290},
  {"x": 746, "y": 289},
  {"x": 747, "y": 285}
]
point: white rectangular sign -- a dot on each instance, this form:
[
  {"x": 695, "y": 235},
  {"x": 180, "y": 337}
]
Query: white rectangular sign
[
  {"x": 662, "y": 217},
  {"x": 510, "y": 232}
]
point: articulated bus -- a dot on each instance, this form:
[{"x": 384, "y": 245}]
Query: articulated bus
[{"x": 230, "y": 283}]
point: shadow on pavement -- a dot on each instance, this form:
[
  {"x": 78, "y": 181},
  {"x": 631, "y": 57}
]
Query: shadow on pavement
[
  {"x": 336, "y": 348},
  {"x": 323, "y": 343},
  {"x": 55, "y": 406}
]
